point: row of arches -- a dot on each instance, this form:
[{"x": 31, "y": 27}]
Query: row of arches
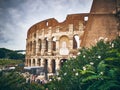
[
  {"x": 51, "y": 44},
  {"x": 48, "y": 67}
]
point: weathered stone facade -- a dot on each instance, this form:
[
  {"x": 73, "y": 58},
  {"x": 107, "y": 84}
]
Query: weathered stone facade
[
  {"x": 103, "y": 22},
  {"x": 50, "y": 43}
]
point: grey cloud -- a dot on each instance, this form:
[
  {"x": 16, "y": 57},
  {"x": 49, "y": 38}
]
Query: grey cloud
[{"x": 17, "y": 16}]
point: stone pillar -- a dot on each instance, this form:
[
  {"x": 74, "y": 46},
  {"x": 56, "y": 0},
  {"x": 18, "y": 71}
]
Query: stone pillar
[
  {"x": 49, "y": 66},
  {"x": 57, "y": 61},
  {"x": 37, "y": 47},
  {"x": 57, "y": 45},
  {"x": 31, "y": 62},
  {"x": 71, "y": 28},
  {"x": 32, "y": 48},
  {"x": 49, "y": 46},
  {"x": 71, "y": 42},
  {"x": 36, "y": 61},
  {"x": 42, "y": 62},
  {"x": 37, "y": 42}
]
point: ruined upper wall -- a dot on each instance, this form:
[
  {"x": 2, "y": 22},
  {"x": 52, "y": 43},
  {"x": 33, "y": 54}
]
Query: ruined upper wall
[{"x": 53, "y": 23}]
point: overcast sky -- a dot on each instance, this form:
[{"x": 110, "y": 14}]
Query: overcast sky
[{"x": 17, "y": 16}]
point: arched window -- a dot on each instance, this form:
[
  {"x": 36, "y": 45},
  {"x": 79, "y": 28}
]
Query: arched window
[
  {"x": 34, "y": 47},
  {"x": 47, "y": 23},
  {"x": 54, "y": 44},
  {"x": 29, "y": 62},
  {"x": 46, "y": 44},
  {"x": 40, "y": 44},
  {"x": 76, "y": 42},
  {"x": 86, "y": 18},
  {"x": 46, "y": 68},
  {"x": 53, "y": 66},
  {"x": 31, "y": 46},
  {"x": 39, "y": 62},
  {"x": 33, "y": 62},
  {"x": 64, "y": 45}
]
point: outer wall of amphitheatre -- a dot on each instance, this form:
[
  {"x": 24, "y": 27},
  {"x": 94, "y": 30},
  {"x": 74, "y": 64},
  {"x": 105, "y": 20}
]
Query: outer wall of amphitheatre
[{"x": 50, "y": 43}]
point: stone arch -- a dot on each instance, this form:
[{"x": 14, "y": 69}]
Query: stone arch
[
  {"x": 34, "y": 34},
  {"x": 29, "y": 63},
  {"x": 31, "y": 46},
  {"x": 39, "y": 45},
  {"x": 34, "y": 47},
  {"x": 46, "y": 44},
  {"x": 33, "y": 62},
  {"x": 62, "y": 61},
  {"x": 39, "y": 62},
  {"x": 46, "y": 68},
  {"x": 54, "y": 43},
  {"x": 64, "y": 45},
  {"x": 76, "y": 41},
  {"x": 53, "y": 64}
]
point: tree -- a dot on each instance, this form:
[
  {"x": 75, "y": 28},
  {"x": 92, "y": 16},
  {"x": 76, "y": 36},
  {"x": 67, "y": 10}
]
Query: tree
[
  {"x": 10, "y": 54},
  {"x": 15, "y": 81},
  {"x": 96, "y": 68}
]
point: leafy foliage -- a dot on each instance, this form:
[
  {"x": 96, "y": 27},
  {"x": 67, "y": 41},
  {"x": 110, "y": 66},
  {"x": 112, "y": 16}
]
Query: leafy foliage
[
  {"x": 10, "y": 54},
  {"x": 96, "y": 68},
  {"x": 15, "y": 81},
  {"x": 7, "y": 62}
]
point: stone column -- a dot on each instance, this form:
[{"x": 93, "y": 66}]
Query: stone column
[
  {"x": 70, "y": 28},
  {"x": 71, "y": 42},
  {"x": 36, "y": 61},
  {"x": 57, "y": 61},
  {"x": 57, "y": 45},
  {"x": 37, "y": 47},
  {"x": 49, "y": 46},
  {"x": 42, "y": 62},
  {"x": 37, "y": 42},
  {"x": 32, "y": 48},
  {"x": 49, "y": 66},
  {"x": 31, "y": 62}
]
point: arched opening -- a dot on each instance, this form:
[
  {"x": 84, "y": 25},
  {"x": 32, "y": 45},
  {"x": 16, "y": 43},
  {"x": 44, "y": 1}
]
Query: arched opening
[
  {"x": 47, "y": 23},
  {"x": 46, "y": 44},
  {"x": 76, "y": 42},
  {"x": 39, "y": 62},
  {"x": 34, "y": 47},
  {"x": 33, "y": 62},
  {"x": 40, "y": 45},
  {"x": 86, "y": 18},
  {"x": 64, "y": 45},
  {"x": 46, "y": 68},
  {"x": 53, "y": 43},
  {"x": 31, "y": 46},
  {"x": 29, "y": 62},
  {"x": 62, "y": 61},
  {"x": 34, "y": 35},
  {"x": 53, "y": 66}
]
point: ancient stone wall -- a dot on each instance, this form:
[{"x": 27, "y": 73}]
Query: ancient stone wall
[
  {"x": 102, "y": 23},
  {"x": 50, "y": 43}
]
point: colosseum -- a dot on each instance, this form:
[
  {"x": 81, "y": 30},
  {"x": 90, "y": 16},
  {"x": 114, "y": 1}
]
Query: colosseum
[{"x": 50, "y": 43}]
